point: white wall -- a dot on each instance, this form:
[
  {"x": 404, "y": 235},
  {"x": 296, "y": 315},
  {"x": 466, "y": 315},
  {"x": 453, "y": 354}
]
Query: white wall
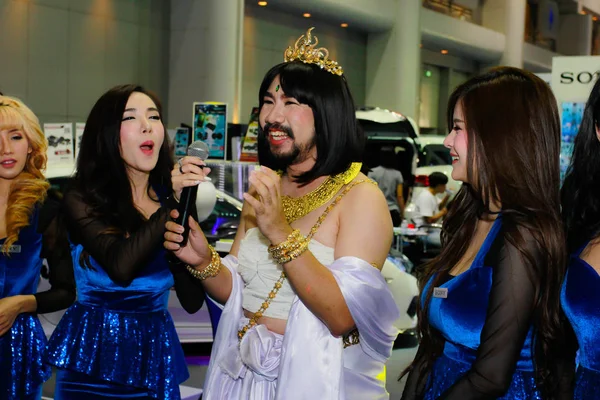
[
  {"x": 59, "y": 56},
  {"x": 268, "y": 33},
  {"x": 205, "y": 53}
]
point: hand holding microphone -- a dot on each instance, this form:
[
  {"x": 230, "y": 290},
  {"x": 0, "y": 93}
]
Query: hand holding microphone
[{"x": 186, "y": 176}]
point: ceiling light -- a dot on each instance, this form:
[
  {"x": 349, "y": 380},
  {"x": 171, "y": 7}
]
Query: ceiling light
[
  {"x": 262, "y": 3},
  {"x": 444, "y": 51},
  {"x": 306, "y": 15},
  {"x": 344, "y": 25}
]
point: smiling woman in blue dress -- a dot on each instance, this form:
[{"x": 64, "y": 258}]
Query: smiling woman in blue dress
[
  {"x": 489, "y": 316},
  {"x": 29, "y": 232}
]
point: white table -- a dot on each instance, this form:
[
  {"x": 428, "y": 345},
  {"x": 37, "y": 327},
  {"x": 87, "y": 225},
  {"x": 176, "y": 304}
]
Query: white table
[{"x": 400, "y": 233}]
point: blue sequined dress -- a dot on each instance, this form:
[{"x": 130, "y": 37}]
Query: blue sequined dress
[
  {"x": 123, "y": 335},
  {"x": 580, "y": 299},
  {"x": 118, "y": 340},
  {"x": 22, "y": 371},
  {"x": 21, "y": 349},
  {"x": 483, "y": 316}
]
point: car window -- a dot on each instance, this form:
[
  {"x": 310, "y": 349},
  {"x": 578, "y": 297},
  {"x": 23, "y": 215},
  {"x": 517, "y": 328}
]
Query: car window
[{"x": 434, "y": 155}]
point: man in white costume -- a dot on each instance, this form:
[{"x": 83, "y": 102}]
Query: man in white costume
[{"x": 306, "y": 311}]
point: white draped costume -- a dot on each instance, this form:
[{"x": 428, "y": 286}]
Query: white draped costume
[{"x": 308, "y": 362}]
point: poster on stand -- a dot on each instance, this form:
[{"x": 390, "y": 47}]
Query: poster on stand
[
  {"x": 181, "y": 141},
  {"x": 210, "y": 126},
  {"x": 572, "y": 82},
  {"x": 60, "y": 143},
  {"x": 250, "y": 143},
  {"x": 79, "y": 127}
]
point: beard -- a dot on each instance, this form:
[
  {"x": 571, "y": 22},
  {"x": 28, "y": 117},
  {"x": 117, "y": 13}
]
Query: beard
[{"x": 281, "y": 160}]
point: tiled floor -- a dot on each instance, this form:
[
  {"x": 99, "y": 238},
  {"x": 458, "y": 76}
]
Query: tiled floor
[{"x": 198, "y": 364}]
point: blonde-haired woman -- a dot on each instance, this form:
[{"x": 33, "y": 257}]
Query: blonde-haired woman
[{"x": 28, "y": 233}]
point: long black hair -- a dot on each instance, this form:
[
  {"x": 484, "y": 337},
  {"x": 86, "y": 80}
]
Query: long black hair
[
  {"x": 339, "y": 140},
  {"x": 581, "y": 188},
  {"x": 513, "y": 149},
  {"x": 101, "y": 175}
]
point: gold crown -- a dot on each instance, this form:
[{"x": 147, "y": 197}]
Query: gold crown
[{"x": 304, "y": 50}]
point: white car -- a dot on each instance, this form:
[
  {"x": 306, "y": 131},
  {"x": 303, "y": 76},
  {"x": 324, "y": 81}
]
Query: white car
[{"x": 418, "y": 155}]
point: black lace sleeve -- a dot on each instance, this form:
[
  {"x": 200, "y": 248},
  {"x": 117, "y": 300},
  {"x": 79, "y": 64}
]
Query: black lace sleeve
[
  {"x": 189, "y": 290},
  {"x": 55, "y": 249},
  {"x": 508, "y": 320},
  {"x": 123, "y": 258}
]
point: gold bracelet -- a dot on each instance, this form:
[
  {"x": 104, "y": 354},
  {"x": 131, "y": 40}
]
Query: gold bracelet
[
  {"x": 211, "y": 270},
  {"x": 294, "y": 245},
  {"x": 293, "y": 254}
]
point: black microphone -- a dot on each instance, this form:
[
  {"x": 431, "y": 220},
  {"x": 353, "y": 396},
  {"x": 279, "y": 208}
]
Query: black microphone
[{"x": 188, "y": 194}]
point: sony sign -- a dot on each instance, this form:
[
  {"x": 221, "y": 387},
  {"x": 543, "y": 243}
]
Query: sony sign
[
  {"x": 574, "y": 77},
  {"x": 572, "y": 82},
  {"x": 584, "y": 77}
]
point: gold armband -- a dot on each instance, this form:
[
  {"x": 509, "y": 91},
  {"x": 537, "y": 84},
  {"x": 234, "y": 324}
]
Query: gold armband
[{"x": 211, "y": 269}]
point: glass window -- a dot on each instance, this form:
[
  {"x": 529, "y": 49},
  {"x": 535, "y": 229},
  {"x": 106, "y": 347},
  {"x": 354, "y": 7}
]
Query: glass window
[{"x": 434, "y": 155}]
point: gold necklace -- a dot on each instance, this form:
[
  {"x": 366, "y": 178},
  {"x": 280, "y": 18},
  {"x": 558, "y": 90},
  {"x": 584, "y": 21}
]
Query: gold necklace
[
  {"x": 297, "y": 207},
  {"x": 349, "y": 339}
]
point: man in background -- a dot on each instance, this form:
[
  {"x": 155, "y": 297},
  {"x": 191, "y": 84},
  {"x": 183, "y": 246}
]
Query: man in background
[
  {"x": 428, "y": 207},
  {"x": 390, "y": 181}
]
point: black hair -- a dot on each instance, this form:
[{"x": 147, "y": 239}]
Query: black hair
[
  {"x": 437, "y": 178},
  {"x": 338, "y": 137},
  {"x": 101, "y": 175},
  {"x": 387, "y": 158},
  {"x": 581, "y": 188}
]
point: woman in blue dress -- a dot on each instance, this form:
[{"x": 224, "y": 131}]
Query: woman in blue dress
[
  {"x": 28, "y": 233},
  {"x": 489, "y": 317},
  {"x": 580, "y": 295},
  {"x": 118, "y": 340}
]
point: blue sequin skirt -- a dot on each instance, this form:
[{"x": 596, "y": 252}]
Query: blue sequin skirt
[
  {"x": 138, "y": 349},
  {"x": 447, "y": 371},
  {"x": 76, "y": 386},
  {"x": 587, "y": 384},
  {"x": 22, "y": 371}
]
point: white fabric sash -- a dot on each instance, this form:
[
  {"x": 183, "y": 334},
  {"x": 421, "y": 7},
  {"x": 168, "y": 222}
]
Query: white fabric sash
[{"x": 311, "y": 363}]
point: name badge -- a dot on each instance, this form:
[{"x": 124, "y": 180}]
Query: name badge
[
  {"x": 15, "y": 248},
  {"x": 440, "y": 293}
]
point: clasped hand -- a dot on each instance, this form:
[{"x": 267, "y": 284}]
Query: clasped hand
[
  {"x": 267, "y": 204},
  {"x": 189, "y": 171},
  {"x": 9, "y": 310}
]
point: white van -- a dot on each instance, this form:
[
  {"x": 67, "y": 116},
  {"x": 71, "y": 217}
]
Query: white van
[{"x": 418, "y": 155}]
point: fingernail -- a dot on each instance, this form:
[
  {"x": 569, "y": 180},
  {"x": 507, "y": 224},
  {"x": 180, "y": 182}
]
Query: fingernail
[
  {"x": 197, "y": 182},
  {"x": 207, "y": 179}
]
